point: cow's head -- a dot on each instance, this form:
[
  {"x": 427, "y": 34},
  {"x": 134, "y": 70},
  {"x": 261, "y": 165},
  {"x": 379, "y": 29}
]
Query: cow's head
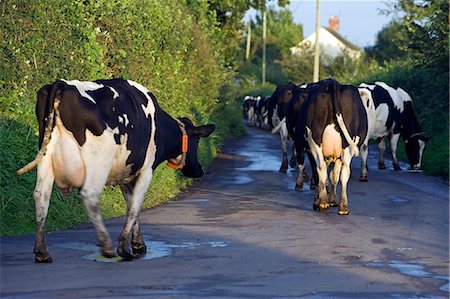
[
  {"x": 192, "y": 167},
  {"x": 414, "y": 147}
]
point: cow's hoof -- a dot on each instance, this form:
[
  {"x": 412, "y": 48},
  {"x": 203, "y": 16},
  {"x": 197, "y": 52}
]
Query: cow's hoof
[
  {"x": 283, "y": 169},
  {"x": 108, "y": 253},
  {"x": 397, "y": 167},
  {"x": 124, "y": 253},
  {"x": 323, "y": 207},
  {"x": 41, "y": 258},
  {"x": 312, "y": 185},
  {"x": 343, "y": 211},
  {"x": 333, "y": 204},
  {"x": 315, "y": 206},
  {"x": 381, "y": 165},
  {"x": 139, "y": 251},
  {"x": 363, "y": 178},
  {"x": 298, "y": 187}
]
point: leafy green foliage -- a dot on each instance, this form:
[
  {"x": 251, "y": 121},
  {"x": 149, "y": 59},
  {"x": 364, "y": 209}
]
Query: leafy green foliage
[
  {"x": 162, "y": 44},
  {"x": 282, "y": 34},
  {"x": 413, "y": 54}
]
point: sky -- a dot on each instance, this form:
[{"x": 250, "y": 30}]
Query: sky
[{"x": 360, "y": 21}]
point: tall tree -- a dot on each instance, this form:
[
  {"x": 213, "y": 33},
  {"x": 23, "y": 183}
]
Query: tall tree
[{"x": 282, "y": 34}]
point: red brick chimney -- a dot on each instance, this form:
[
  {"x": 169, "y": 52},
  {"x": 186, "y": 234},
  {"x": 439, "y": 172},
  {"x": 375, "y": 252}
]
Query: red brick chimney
[{"x": 333, "y": 23}]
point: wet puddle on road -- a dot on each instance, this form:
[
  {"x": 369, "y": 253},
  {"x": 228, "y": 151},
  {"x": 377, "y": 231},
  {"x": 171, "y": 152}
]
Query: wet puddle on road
[
  {"x": 155, "y": 249},
  {"x": 413, "y": 270},
  {"x": 397, "y": 199},
  {"x": 260, "y": 162}
]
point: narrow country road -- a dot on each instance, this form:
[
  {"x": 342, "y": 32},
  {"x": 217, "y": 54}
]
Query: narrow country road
[{"x": 243, "y": 232}]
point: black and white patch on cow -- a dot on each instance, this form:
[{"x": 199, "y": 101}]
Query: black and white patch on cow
[
  {"x": 106, "y": 132},
  {"x": 250, "y": 110},
  {"x": 279, "y": 102},
  {"x": 390, "y": 114},
  {"x": 334, "y": 124}
]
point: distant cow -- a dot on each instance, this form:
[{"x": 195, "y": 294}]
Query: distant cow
[
  {"x": 250, "y": 110},
  {"x": 262, "y": 119},
  {"x": 390, "y": 114},
  {"x": 300, "y": 94},
  {"x": 106, "y": 132},
  {"x": 279, "y": 103},
  {"x": 334, "y": 124}
]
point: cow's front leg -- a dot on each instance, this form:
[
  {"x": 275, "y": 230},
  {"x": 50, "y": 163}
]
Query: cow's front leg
[
  {"x": 334, "y": 180},
  {"x": 137, "y": 242},
  {"x": 90, "y": 200},
  {"x": 364, "y": 150},
  {"x": 283, "y": 139},
  {"x": 41, "y": 197},
  {"x": 134, "y": 195},
  {"x": 299, "y": 180},
  {"x": 293, "y": 161},
  {"x": 394, "y": 143}
]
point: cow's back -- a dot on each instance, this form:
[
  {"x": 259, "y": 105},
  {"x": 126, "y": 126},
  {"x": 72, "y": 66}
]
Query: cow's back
[{"x": 108, "y": 120}]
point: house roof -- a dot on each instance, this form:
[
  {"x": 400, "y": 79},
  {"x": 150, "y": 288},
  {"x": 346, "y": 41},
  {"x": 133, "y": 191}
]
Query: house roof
[{"x": 342, "y": 39}]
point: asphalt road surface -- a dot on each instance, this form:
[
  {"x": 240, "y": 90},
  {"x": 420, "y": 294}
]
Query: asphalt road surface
[{"x": 242, "y": 231}]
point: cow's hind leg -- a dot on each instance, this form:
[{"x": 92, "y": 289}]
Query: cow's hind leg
[
  {"x": 137, "y": 240},
  {"x": 90, "y": 197},
  {"x": 394, "y": 142},
  {"x": 42, "y": 192},
  {"x": 345, "y": 176},
  {"x": 334, "y": 180},
  {"x": 321, "y": 198},
  {"x": 314, "y": 175},
  {"x": 134, "y": 206}
]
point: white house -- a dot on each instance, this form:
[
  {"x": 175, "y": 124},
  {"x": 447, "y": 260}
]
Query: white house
[{"x": 331, "y": 43}]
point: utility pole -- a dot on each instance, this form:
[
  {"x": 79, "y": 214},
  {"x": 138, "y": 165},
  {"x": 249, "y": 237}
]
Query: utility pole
[
  {"x": 263, "y": 79},
  {"x": 249, "y": 38},
  {"x": 316, "y": 45}
]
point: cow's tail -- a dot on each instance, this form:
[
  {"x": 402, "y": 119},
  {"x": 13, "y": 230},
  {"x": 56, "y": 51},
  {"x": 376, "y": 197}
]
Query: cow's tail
[
  {"x": 340, "y": 120},
  {"x": 52, "y": 105}
]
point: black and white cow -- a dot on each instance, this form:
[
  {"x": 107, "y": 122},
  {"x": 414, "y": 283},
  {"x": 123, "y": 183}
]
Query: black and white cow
[
  {"x": 300, "y": 94},
  {"x": 250, "y": 110},
  {"x": 279, "y": 103},
  {"x": 106, "y": 132},
  {"x": 390, "y": 114},
  {"x": 262, "y": 119},
  {"x": 333, "y": 122}
]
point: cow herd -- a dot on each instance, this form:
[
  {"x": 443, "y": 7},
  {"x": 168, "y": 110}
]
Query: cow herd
[
  {"x": 332, "y": 123},
  {"x": 113, "y": 132}
]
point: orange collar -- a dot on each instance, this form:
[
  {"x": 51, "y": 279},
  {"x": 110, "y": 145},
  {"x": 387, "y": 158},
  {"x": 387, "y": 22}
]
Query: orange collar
[{"x": 179, "y": 163}]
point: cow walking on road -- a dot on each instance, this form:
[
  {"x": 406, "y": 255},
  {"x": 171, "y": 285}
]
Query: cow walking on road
[
  {"x": 106, "y": 132},
  {"x": 279, "y": 103},
  {"x": 390, "y": 114},
  {"x": 334, "y": 124}
]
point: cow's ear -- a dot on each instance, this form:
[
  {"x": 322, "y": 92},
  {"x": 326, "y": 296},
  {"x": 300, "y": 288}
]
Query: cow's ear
[{"x": 204, "y": 131}]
